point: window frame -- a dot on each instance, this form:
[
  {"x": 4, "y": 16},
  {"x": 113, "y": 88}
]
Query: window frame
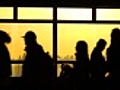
[
  {"x": 16, "y": 20},
  {"x": 54, "y": 21}
]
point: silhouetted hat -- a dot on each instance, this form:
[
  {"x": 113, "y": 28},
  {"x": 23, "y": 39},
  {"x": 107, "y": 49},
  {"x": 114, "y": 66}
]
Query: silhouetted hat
[{"x": 29, "y": 34}]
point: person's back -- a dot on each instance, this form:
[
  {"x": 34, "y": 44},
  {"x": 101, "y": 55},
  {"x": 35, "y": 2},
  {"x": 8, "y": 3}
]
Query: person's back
[
  {"x": 113, "y": 54},
  {"x": 98, "y": 60},
  {"x": 82, "y": 59},
  {"x": 81, "y": 66},
  {"x": 35, "y": 68},
  {"x": 33, "y": 60},
  {"x": 5, "y": 66},
  {"x": 98, "y": 65}
]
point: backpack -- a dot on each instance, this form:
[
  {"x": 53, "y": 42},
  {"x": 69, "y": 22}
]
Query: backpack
[{"x": 50, "y": 67}]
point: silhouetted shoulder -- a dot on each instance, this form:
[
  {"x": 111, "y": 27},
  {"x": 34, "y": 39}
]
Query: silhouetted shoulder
[{"x": 40, "y": 47}]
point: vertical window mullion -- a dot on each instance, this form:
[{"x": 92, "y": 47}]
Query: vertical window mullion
[
  {"x": 15, "y": 13},
  {"x": 94, "y": 14},
  {"x": 55, "y": 37}
]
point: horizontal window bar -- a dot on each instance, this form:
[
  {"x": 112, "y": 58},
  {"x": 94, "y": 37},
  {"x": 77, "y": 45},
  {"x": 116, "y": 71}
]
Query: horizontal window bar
[
  {"x": 58, "y": 21},
  {"x": 59, "y": 62},
  {"x": 25, "y": 21},
  {"x": 6, "y": 6},
  {"x": 74, "y": 21},
  {"x": 17, "y": 62},
  {"x": 47, "y": 5}
]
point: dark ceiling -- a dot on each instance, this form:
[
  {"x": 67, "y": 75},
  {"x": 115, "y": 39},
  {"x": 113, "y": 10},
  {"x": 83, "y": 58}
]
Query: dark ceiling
[{"x": 73, "y": 3}]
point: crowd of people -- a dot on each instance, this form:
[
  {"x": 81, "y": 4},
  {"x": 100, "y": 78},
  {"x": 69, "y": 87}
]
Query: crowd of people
[
  {"x": 96, "y": 72},
  {"x": 38, "y": 66},
  {"x": 38, "y": 70}
]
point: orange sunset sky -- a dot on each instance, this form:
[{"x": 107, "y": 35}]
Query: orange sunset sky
[{"x": 68, "y": 34}]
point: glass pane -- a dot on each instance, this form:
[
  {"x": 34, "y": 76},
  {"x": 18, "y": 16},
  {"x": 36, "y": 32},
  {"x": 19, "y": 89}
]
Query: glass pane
[
  {"x": 16, "y": 70},
  {"x": 74, "y": 14},
  {"x": 70, "y": 34},
  {"x": 6, "y": 13},
  {"x": 59, "y": 69},
  {"x": 35, "y": 13},
  {"x": 17, "y": 45},
  {"x": 108, "y": 14}
]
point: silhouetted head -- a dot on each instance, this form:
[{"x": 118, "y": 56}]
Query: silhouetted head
[
  {"x": 101, "y": 44},
  {"x": 81, "y": 46},
  {"x": 4, "y": 37},
  {"x": 30, "y": 38},
  {"x": 115, "y": 35},
  {"x": 66, "y": 67}
]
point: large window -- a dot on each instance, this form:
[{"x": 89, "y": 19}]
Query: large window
[
  {"x": 43, "y": 32},
  {"x": 17, "y": 29},
  {"x": 88, "y": 24},
  {"x": 58, "y": 29}
]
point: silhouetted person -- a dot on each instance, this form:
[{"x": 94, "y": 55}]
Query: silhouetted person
[
  {"x": 5, "y": 66},
  {"x": 66, "y": 70},
  {"x": 36, "y": 72},
  {"x": 98, "y": 60},
  {"x": 81, "y": 66},
  {"x": 65, "y": 79},
  {"x": 113, "y": 57},
  {"x": 98, "y": 65}
]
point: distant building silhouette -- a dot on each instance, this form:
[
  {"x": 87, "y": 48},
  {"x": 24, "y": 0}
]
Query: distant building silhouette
[{"x": 58, "y": 56}]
